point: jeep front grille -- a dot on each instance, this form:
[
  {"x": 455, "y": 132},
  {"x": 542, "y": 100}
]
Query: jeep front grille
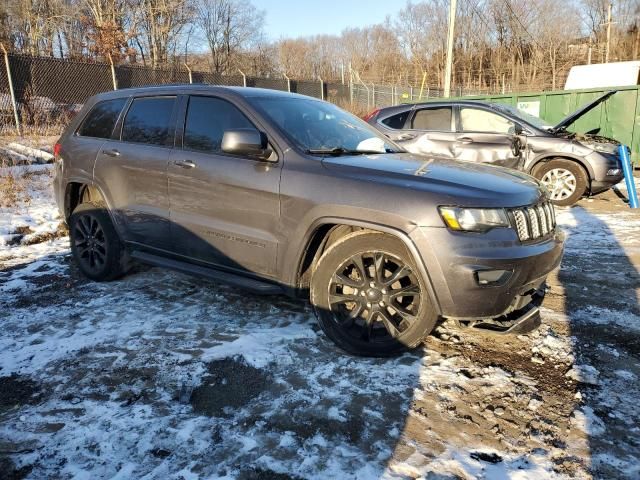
[{"x": 534, "y": 222}]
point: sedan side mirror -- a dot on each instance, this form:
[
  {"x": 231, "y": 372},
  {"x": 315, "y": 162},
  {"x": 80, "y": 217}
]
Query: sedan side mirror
[
  {"x": 246, "y": 142},
  {"x": 517, "y": 128}
]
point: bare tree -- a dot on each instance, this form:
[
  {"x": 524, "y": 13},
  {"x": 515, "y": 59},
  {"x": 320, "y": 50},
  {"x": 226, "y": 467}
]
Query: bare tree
[
  {"x": 229, "y": 26},
  {"x": 158, "y": 25}
]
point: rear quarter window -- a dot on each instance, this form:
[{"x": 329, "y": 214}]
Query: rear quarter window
[
  {"x": 397, "y": 121},
  {"x": 102, "y": 118}
]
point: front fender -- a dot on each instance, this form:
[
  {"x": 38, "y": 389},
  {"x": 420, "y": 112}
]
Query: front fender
[{"x": 296, "y": 253}]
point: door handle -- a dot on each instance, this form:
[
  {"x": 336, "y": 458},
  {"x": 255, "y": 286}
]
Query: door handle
[
  {"x": 185, "y": 163},
  {"x": 406, "y": 136},
  {"x": 111, "y": 153},
  {"x": 465, "y": 140}
]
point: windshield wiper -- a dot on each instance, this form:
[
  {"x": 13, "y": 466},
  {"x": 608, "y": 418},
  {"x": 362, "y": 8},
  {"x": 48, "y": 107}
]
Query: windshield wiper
[{"x": 337, "y": 151}]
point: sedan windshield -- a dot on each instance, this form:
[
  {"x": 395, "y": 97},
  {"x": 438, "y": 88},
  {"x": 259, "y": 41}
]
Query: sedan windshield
[
  {"x": 527, "y": 117},
  {"x": 321, "y": 128}
]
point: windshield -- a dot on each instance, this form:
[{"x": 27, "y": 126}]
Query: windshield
[
  {"x": 322, "y": 128},
  {"x": 527, "y": 117}
]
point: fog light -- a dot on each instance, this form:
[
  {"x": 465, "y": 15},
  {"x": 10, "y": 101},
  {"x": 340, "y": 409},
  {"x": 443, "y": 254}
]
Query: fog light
[
  {"x": 492, "y": 278},
  {"x": 613, "y": 171}
]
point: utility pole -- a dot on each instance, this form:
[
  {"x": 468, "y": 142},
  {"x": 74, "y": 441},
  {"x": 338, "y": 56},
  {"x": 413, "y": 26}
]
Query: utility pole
[
  {"x": 606, "y": 57},
  {"x": 447, "y": 71}
]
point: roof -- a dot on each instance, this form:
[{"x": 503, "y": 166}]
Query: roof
[
  {"x": 200, "y": 87},
  {"x": 436, "y": 103}
]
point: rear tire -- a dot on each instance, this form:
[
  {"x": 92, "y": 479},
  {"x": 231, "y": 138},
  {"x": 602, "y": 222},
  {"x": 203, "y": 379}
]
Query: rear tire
[
  {"x": 566, "y": 180},
  {"x": 95, "y": 244},
  {"x": 356, "y": 292}
]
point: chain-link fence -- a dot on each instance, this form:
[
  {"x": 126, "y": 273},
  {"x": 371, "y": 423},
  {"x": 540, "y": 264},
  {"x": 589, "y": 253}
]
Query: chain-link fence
[
  {"x": 48, "y": 92},
  {"x": 377, "y": 96}
]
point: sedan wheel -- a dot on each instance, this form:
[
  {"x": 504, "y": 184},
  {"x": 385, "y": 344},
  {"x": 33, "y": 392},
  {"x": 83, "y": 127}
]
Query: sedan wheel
[
  {"x": 560, "y": 182},
  {"x": 565, "y": 180}
]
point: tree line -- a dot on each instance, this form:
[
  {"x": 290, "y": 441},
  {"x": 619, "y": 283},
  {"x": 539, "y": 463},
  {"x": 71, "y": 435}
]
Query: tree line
[{"x": 499, "y": 44}]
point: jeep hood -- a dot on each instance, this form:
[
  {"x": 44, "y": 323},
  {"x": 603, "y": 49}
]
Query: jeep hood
[
  {"x": 569, "y": 119},
  {"x": 453, "y": 182}
]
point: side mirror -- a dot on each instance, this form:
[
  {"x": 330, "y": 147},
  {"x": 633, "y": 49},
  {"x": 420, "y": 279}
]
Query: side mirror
[
  {"x": 246, "y": 142},
  {"x": 517, "y": 128}
]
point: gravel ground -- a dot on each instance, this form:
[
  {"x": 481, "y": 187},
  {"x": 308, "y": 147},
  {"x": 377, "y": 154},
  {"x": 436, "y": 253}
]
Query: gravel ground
[{"x": 160, "y": 375}]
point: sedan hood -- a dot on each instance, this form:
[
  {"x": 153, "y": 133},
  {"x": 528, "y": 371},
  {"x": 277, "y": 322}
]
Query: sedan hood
[
  {"x": 569, "y": 119},
  {"x": 452, "y": 181}
]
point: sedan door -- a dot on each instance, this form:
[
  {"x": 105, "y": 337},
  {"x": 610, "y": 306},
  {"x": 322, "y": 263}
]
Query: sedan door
[
  {"x": 225, "y": 209},
  {"x": 486, "y": 137},
  {"x": 134, "y": 170}
]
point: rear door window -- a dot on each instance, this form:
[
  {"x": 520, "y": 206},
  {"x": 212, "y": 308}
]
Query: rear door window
[
  {"x": 478, "y": 120},
  {"x": 102, "y": 118},
  {"x": 434, "y": 119},
  {"x": 149, "y": 121},
  {"x": 206, "y": 121}
]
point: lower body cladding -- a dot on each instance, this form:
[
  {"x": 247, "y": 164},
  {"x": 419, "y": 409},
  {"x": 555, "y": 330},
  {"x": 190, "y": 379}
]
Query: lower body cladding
[{"x": 489, "y": 280}]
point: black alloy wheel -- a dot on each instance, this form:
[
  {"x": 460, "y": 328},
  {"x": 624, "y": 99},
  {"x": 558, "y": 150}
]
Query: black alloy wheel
[
  {"x": 95, "y": 244},
  {"x": 90, "y": 242},
  {"x": 374, "y": 295},
  {"x": 369, "y": 296}
]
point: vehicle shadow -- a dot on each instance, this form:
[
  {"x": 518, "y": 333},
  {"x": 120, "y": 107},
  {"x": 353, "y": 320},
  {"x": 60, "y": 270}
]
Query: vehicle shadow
[
  {"x": 599, "y": 287},
  {"x": 556, "y": 401},
  {"x": 164, "y": 373}
]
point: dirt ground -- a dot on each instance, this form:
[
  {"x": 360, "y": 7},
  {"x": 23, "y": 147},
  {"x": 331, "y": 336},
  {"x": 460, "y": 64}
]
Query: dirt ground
[{"x": 161, "y": 375}]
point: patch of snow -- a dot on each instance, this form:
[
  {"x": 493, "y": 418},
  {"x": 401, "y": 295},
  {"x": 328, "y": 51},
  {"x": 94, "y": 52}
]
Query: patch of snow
[
  {"x": 36, "y": 212},
  {"x": 626, "y": 375},
  {"x": 587, "y": 421},
  {"x": 602, "y": 232},
  {"x": 461, "y": 464},
  {"x": 584, "y": 374}
]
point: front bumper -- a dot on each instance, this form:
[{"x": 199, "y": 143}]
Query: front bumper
[
  {"x": 602, "y": 164},
  {"x": 454, "y": 261}
]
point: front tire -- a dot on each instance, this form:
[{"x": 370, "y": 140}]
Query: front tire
[
  {"x": 565, "y": 179},
  {"x": 369, "y": 296},
  {"x": 95, "y": 244}
]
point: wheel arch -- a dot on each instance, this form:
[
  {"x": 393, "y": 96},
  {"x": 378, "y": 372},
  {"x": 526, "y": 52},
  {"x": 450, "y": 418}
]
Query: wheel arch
[
  {"x": 325, "y": 231},
  {"x": 77, "y": 192},
  {"x": 547, "y": 157}
]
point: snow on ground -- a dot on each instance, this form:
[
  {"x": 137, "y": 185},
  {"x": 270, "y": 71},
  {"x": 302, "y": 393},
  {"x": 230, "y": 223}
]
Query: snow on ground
[
  {"x": 160, "y": 375},
  {"x": 33, "y": 216}
]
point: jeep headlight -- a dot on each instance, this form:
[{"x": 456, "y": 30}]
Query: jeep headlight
[{"x": 474, "y": 219}]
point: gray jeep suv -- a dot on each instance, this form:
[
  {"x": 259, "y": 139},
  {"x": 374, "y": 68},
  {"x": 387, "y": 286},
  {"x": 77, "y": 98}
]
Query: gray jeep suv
[{"x": 282, "y": 193}]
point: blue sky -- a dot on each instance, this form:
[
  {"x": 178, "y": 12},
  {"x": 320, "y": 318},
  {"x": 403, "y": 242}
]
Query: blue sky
[{"x": 291, "y": 18}]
